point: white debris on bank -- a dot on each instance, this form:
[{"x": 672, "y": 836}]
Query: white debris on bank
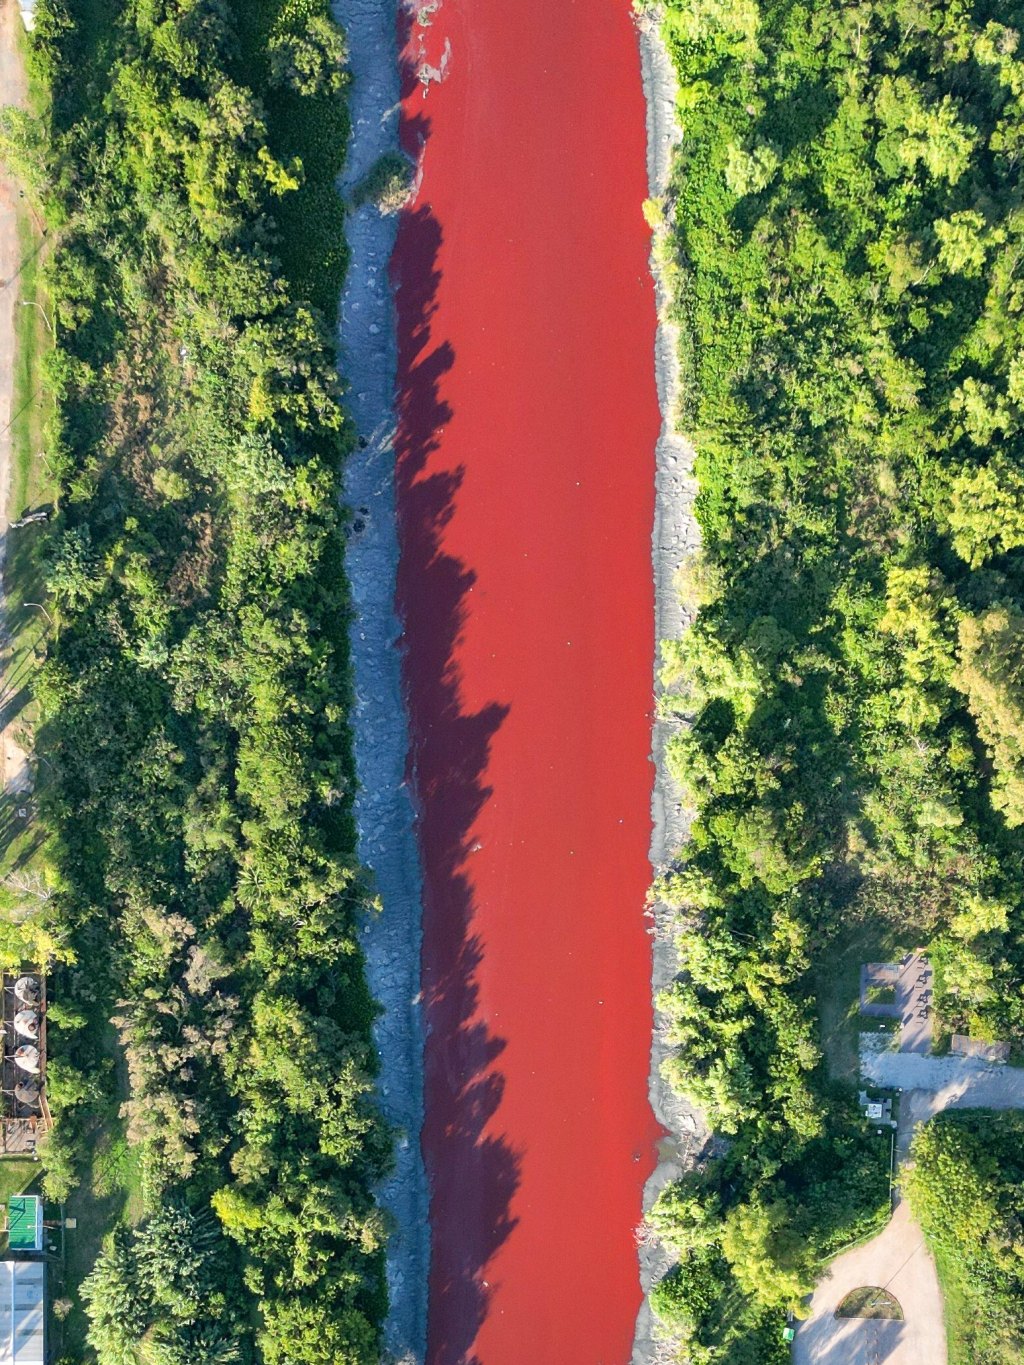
[
  {"x": 384, "y": 812},
  {"x": 676, "y": 537}
]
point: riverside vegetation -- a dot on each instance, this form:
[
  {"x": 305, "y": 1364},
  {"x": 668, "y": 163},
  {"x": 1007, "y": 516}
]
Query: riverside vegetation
[
  {"x": 844, "y": 237},
  {"x": 203, "y": 887},
  {"x": 966, "y": 1188}
]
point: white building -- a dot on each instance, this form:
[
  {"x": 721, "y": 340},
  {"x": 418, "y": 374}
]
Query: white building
[
  {"x": 22, "y": 1313},
  {"x": 28, "y": 13}
]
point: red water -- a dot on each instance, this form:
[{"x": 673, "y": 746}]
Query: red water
[{"x": 528, "y": 417}]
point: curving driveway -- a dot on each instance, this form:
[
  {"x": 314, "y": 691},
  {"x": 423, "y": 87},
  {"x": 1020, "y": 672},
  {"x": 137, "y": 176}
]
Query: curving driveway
[{"x": 897, "y": 1260}]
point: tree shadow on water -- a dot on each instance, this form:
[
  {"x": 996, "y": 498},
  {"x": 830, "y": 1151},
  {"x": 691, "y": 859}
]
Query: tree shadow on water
[{"x": 473, "y": 1175}]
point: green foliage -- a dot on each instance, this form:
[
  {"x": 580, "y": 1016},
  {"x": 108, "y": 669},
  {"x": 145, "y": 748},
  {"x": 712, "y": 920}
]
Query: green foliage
[
  {"x": 195, "y": 692},
  {"x": 386, "y": 184},
  {"x": 308, "y": 57},
  {"x": 965, "y": 1188},
  {"x": 119, "y": 1305},
  {"x": 157, "y": 1285},
  {"x": 991, "y": 674},
  {"x": 844, "y": 234}
]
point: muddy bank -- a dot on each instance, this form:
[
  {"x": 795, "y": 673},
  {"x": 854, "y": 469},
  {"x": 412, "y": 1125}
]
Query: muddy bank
[
  {"x": 676, "y": 536},
  {"x": 384, "y": 813}
]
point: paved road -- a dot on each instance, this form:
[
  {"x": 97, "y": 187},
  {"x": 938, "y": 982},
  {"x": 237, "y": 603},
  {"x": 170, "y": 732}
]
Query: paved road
[
  {"x": 947, "y": 1082},
  {"x": 931, "y": 1084},
  {"x": 911, "y": 1005},
  {"x": 897, "y": 1260},
  {"x": 913, "y": 1000}
]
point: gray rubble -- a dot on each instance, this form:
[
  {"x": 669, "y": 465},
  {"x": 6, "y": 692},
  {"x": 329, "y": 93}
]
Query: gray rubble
[
  {"x": 384, "y": 810},
  {"x": 675, "y": 538}
]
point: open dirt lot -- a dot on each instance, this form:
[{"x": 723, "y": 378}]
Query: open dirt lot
[{"x": 896, "y": 1260}]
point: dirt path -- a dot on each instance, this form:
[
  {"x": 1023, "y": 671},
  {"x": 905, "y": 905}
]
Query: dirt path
[
  {"x": 897, "y": 1260},
  {"x": 14, "y": 769}
]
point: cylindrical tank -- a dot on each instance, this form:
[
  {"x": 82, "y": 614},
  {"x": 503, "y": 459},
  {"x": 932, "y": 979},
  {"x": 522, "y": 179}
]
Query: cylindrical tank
[
  {"x": 26, "y": 988},
  {"x": 27, "y": 1058}
]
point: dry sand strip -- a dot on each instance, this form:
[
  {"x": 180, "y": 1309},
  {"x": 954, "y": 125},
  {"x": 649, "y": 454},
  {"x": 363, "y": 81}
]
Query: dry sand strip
[
  {"x": 675, "y": 538},
  {"x": 14, "y": 768}
]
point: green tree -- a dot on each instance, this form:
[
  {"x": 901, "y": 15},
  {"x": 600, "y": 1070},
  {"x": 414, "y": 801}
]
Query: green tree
[{"x": 991, "y": 675}]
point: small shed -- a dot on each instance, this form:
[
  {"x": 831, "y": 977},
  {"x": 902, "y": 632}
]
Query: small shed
[
  {"x": 25, "y": 1222},
  {"x": 22, "y": 1312},
  {"x": 876, "y": 1111},
  {"x": 962, "y": 1046}
]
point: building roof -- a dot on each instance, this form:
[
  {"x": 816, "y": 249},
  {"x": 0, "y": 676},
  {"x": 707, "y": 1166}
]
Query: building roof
[
  {"x": 25, "y": 1223},
  {"x": 22, "y": 1313}
]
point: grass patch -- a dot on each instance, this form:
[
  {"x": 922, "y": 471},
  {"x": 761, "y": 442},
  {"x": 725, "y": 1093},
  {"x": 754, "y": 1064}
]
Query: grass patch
[
  {"x": 33, "y": 487},
  {"x": 16, "y": 1174},
  {"x": 26, "y": 618},
  {"x": 110, "y": 1193},
  {"x": 870, "y": 1302},
  {"x": 962, "y": 1319}
]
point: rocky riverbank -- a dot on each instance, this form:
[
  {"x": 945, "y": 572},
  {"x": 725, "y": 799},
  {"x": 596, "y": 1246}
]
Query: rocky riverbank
[
  {"x": 676, "y": 537},
  {"x": 384, "y": 811}
]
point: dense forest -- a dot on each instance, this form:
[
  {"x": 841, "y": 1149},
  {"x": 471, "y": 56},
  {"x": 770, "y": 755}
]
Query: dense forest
[
  {"x": 193, "y": 734},
  {"x": 844, "y": 237}
]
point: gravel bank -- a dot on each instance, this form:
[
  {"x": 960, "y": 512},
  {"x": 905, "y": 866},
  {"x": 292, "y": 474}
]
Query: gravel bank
[
  {"x": 384, "y": 812},
  {"x": 676, "y": 535}
]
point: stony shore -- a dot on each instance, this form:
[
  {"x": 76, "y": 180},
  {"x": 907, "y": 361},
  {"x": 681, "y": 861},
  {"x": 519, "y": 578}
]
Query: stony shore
[
  {"x": 384, "y": 810},
  {"x": 676, "y": 536}
]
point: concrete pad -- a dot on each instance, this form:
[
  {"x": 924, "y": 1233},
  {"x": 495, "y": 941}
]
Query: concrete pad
[{"x": 913, "y": 998}]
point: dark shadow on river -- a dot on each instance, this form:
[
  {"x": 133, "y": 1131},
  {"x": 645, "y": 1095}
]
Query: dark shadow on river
[{"x": 472, "y": 1176}]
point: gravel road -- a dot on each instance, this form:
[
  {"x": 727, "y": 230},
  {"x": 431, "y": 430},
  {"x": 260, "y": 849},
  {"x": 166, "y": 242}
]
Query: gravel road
[{"x": 897, "y": 1260}]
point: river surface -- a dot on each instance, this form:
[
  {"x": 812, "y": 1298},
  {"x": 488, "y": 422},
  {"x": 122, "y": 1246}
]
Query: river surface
[{"x": 525, "y": 480}]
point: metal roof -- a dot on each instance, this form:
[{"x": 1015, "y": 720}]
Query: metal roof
[
  {"x": 25, "y": 1222},
  {"x": 22, "y": 1313}
]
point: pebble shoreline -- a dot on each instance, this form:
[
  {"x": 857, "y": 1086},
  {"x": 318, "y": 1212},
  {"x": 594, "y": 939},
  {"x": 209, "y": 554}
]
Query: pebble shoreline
[
  {"x": 675, "y": 537},
  {"x": 384, "y": 810}
]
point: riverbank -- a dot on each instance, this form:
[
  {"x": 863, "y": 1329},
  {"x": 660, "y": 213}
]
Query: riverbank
[
  {"x": 675, "y": 539},
  {"x": 383, "y": 809}
]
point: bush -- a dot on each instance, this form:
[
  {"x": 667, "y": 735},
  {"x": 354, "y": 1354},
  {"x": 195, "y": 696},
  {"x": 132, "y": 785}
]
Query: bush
[{"x": 387, "y": 183}]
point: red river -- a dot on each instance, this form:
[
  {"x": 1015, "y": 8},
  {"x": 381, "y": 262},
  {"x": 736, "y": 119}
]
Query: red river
[{"x": 527, "y": 423}]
